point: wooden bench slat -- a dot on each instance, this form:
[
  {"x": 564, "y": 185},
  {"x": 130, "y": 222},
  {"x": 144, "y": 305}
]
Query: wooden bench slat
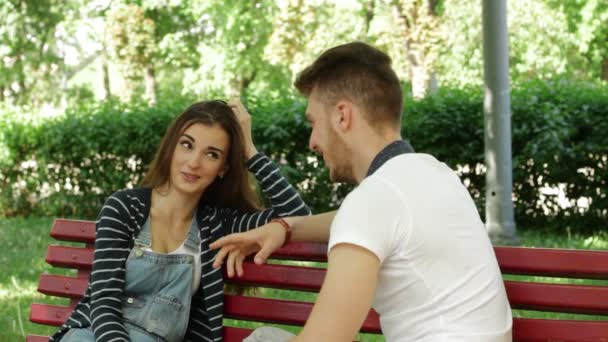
[
  {"x": 49, "y": 314},
  {"x": 62, "y": 286},
  {"x": 298, "y": 278},
  {"x": 581, "y": 299},
  {"x": 84, "y": 231},
  {"x": 74, "y": 230},
  {"x": 281, "y": 311},
  {"x": 302, "y": 251},
  {"x": 522, "y": 295},
  {"x": 543, "y": 330},
  {"x": 513, "y": 260},
  {"x": 69, "y": 257},
  {"x": 550, "y": 262},
  {"x": 252, "y": 308}
]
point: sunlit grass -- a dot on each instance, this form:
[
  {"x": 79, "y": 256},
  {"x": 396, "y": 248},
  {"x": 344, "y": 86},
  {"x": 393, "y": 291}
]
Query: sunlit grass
[
  {"x": 549, "y": 239},
  {"x": 24, "y": 243}
]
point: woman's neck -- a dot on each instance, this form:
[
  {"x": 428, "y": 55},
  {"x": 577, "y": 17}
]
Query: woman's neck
[{"x": 173, "y": 204}]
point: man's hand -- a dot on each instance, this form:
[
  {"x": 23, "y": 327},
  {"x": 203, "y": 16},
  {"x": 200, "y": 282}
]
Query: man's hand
[
  {"x": 266, "y": 239},
  {"x": 236, "y": 247}
]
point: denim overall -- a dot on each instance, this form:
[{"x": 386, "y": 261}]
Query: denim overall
[{"x": 157, "y": 294}]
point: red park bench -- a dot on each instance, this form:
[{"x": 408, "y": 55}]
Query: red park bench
[{"x": 548, "y": 297}]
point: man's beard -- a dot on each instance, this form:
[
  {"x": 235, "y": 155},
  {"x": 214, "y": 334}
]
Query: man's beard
[{"x": 342, "y": 170}]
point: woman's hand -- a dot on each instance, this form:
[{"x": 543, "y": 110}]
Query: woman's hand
[{"x": 245, "y": 120}]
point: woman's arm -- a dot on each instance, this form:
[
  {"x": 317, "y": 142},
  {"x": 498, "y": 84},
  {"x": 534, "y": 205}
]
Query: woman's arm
[
  {"x": 112, "y": 240},
  {"x": 284, "y": 198}
]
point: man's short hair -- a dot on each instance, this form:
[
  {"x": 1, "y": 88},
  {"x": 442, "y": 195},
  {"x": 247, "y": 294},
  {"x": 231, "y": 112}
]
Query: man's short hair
[{"x": 359, "y": 73}]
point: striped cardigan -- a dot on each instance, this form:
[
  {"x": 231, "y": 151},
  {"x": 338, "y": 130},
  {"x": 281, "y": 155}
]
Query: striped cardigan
[{"x": 120, "y": 221}]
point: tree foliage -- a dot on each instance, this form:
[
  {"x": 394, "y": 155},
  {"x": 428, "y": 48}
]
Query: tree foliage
[
  {"x": 28, "y": 53},
  {"x": 163, "y": 47},
  {"x": 132, "y": 44}
]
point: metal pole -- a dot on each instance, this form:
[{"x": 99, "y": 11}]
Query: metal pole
[{"x": 497, "y": 117}]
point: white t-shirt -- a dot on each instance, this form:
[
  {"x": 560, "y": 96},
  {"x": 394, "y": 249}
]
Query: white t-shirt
[{"x": 439, "y": 279}]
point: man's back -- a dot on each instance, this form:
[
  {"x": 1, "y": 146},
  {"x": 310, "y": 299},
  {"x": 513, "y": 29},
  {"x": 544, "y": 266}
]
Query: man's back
[{"x": 439, "y": 279}]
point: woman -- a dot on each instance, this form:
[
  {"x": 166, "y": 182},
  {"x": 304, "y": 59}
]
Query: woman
[{"x": 152, "y": 276}]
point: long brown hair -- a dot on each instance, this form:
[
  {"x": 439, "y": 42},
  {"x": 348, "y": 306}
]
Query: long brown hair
[{"x": 235, "y": 189}]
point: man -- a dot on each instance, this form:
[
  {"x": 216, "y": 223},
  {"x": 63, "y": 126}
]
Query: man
[{"x": 408, "y": 240}]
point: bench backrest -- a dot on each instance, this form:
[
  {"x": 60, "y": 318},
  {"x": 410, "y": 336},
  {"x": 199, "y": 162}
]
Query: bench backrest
[{"x": 306, "y": 277}]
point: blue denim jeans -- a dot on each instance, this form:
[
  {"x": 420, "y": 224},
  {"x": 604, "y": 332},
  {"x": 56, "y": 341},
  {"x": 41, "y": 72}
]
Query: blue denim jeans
[
  {"x": 269, "y": 334},
  {"x": 136, "y": 334},
  {"x": 157, "y": 294}
]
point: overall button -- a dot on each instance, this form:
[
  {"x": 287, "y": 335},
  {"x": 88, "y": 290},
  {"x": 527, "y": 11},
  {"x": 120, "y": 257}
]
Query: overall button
[
  {"x": 138, "y": 252},
  {"x": 130, "y": 300}
]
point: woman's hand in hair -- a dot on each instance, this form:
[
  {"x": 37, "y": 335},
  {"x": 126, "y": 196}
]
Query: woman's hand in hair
[{"x": 245, "y": 120}]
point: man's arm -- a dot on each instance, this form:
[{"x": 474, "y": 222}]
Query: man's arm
[
  {"x": 364, "y": 233},
  {"x": 346, "y": 295},
  {"x": 266, "y": 239},
  {"x": 311, "y": 228}
]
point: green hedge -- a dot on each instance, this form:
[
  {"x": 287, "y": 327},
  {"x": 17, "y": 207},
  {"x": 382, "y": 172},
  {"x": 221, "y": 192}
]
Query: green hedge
[
  {"x": 558, "y": 141},
  {"x": 67, "y": 165}
]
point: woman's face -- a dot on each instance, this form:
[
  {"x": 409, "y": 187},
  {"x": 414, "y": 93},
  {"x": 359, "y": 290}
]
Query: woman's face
[{"x": 199, "y": 158}]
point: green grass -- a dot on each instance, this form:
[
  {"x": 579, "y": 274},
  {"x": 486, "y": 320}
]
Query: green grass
[{"x": 24, "y": 243}]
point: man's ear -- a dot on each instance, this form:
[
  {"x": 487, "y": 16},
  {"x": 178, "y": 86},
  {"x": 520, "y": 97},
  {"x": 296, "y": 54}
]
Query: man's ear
[{"x": 344, "y": 119}]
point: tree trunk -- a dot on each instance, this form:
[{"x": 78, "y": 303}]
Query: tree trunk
[
  {"x": 63, "y": 85},
  {"x": 22, "y": 99},
  {"x": 423, "y": 78},
  {"x": 240, "y": 85},
  {"x": 368, "y": 15},
  {"x": 424, "y": 82},
  {"x": 105, "y": 70},
  {"x": 604, "y": 74},
  {"x": 150, "y": 80}
]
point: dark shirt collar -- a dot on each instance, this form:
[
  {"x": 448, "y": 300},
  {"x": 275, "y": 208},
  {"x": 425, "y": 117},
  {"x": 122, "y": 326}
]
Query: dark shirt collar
[{"x": 391, "y": 150}]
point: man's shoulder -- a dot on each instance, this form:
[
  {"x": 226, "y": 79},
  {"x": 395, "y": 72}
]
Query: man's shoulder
[
  {"x": 391, "y": 183},
  {"x": 413, "y": 170},
  {"x": 408, "y": 161},
  {"x": 374, "y": 189}
]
